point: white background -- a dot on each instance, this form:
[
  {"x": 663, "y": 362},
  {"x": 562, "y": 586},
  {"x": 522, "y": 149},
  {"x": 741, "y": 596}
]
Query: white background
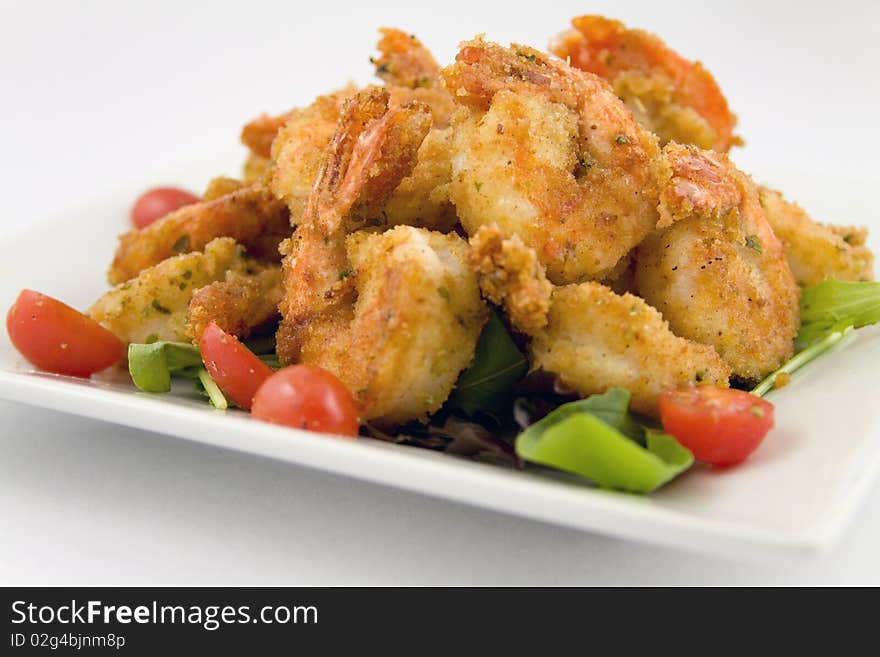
[{"x": 95, "y": 94}]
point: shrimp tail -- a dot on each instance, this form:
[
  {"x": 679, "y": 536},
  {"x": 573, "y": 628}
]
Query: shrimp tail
[{"x": 374, "y": 147}]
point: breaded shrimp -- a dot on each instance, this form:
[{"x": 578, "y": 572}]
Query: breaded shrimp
[
  {"x": 251, "y": 216},
  {"x": 411, "y": 73},
  {"x": 256, "y": 169},
  {"x": 394, "y": 315},
  {"x": 297, "y": 150},
  {"x": 221, "y": 186},
  {"x": 154, "y": 305},
  {"x": 677, "y": 99},
  {"x": 816, "y": 251},
  {"x": 421, "y": 198},
  {"x": 240, "y": 304},
  {"x": 511, "y": 276},
  {"x": 549, "y": 153},
  {"x": 719, "y": 274},
  {"x": 259, "y": 133},
  {"x": 591, "y": 338}
]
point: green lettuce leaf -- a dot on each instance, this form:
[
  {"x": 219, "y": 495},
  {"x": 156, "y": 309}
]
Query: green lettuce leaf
[
  {"x": 598, "y": 439},
  {"x": 497, "y": 366},
  {"x": 833, "y": 306},
  {"x": 151, "y": 365}
]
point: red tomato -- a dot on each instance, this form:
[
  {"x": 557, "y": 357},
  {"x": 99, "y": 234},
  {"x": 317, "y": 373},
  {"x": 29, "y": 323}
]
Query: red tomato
[
  {"x": 721, "y": 426},
  {"x": 234, "y": 368},
  {"x": 156, "y": 203},
  {"x": 57, "y": 338},
  {"x": 307, "y": 397}
]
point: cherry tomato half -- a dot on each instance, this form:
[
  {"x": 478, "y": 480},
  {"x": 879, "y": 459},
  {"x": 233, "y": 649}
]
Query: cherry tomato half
[
  {"x": 721, "y": 426},
  {"x": 156, "y": 203},
  {"x": 234, "y": 367},
  {"x": 307, "y": 397},
  {"x": 57, "y": 338}
]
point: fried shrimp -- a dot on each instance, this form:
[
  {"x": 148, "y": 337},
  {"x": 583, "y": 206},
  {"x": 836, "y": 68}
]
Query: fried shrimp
[
  {"x": 154, "y": 305},
  {"x": 677, "y": 99},
  {"x": 591, "y": 338},
  {"x": 251, "y": 216},
  {"x": 411, "y": 73},
  {"x": 816, "y": 251},
  {"x": 259, "y": 133},
  {"x": 240, "y": 304},
  {"x": 299, "y": 146},
  {"x": 221, "y": 186},
  {"x": 719, "y": 274},
  {"x": 394, "y": 315},
  {"x": 550, "y": 154}
]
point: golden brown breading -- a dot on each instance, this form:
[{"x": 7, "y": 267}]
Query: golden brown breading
[
  {"x": 719, "y": 274},
  {"x": 251, "y": 216},
  {"x": 256, "y": 169},
  {"x": 595, "y": 340},
  {"x": 404, "y": 61},
  {"x": 816, "y": 251},
  {"x": 396, "y": 315},
  {"x": 422, "y": 198},
  {"x": 412, "y": 329},
  {"x": 299, "y": 147},
  {"x": 154, "y": 305},
  {"x": 550, "y": 154},
  {"x": 221, "y": 186},
  {"x": 677, "y": 99},
  {"x": 591, "y": 338},
  {"x": 511, "y": 276},
  {"x": 240, "y": 304},
  {"x": 259, "y": 133},
  {"x": 372, "y": 149}
]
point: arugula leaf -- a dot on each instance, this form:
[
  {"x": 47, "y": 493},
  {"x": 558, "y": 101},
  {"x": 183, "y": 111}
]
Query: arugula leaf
[
  {"x": 151, "y": 365},
  {"x": 597, "y": 438},
  {"x": 829, "y": 312},
  {"x": 496, "y": 367},
  {"x": 212, "y": 390},
  {"x": 835, "y": 305}
]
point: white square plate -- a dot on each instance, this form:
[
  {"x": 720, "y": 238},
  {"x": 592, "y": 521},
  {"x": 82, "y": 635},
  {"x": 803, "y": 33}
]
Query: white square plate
[{"x": 794, "y": 495}]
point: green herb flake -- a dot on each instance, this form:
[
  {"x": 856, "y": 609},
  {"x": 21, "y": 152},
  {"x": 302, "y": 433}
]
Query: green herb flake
[
  {"x": 443, "y": 292},
  {"x": 159, "y": 308},
  {"x": 754, "y": 242},
  {"x": 621, "y": 140},
  {"x": 478, "y": 185}
]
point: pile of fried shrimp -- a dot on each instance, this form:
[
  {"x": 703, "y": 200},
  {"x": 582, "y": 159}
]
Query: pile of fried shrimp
[{"x": 586, "y": 194}]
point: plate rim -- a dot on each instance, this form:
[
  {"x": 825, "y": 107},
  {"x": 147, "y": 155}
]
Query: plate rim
[{"x": 610, "y": 513}]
